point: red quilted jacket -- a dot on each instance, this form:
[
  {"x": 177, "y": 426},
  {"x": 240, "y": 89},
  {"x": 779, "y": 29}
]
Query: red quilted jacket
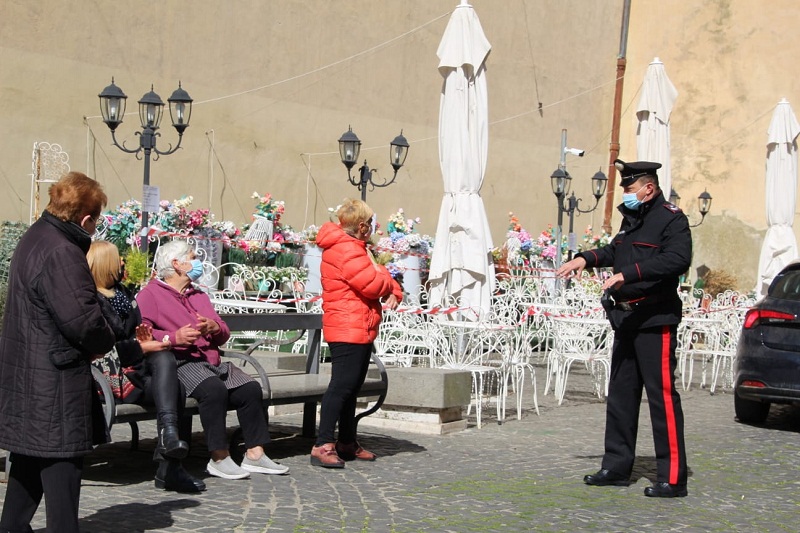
[{"x": 352, "y": 285}]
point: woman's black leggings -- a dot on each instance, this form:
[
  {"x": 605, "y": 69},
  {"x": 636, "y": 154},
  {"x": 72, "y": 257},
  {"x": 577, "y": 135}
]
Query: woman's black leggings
[
  {"x": 162, "y": 387},
  {"x": 349, "y": 365}
]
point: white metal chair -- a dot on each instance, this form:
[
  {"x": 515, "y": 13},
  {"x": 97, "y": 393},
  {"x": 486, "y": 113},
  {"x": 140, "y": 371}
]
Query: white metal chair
[
  {"x": 460, "y": 345},
  {"x": 586, "y": 340}
]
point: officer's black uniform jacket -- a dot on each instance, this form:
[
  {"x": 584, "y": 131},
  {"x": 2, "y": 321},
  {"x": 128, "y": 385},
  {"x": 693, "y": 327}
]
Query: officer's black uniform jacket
[{"x": 652, "y": 249}]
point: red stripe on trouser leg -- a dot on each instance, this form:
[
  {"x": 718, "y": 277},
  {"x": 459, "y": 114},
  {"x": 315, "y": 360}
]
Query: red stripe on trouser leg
[{"x": 669, "y": 409}]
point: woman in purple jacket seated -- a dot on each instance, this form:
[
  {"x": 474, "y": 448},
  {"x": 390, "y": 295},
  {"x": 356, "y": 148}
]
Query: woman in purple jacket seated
[{"x": 184, "y": 318}]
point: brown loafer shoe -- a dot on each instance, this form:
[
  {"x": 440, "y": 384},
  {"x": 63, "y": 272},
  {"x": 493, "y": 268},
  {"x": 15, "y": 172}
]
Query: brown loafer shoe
[
  {"x": 348, "y": 452},
  {"x": 326, "y": 456}
]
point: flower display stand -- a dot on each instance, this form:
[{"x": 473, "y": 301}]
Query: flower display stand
[
  {"x": 261, "y": 230},
  {"x": 312, "y": 259},
  {"x": 412, "y": 277}
]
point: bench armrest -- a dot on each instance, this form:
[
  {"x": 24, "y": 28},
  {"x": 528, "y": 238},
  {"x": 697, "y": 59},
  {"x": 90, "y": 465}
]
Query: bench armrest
[
  {"x": 382, "y": 397},
  {"x": 247, "y": 358},
  {"x": 109, "y": 405}
]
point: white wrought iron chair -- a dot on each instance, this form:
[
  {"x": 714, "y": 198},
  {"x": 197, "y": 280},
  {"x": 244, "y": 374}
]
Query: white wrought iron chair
[
  {"x": 461, "y": 345},
  {"x": 586, "y": 340}
]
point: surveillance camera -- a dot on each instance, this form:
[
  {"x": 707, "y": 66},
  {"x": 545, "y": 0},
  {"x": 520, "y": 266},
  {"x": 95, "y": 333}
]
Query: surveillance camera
[{"x": 574, "y": 151}]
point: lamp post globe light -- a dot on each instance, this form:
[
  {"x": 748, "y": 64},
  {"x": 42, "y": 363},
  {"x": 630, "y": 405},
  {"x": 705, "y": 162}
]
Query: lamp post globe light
[
  {"x": 349, "y": 149},
  {"x": 703, "y": 204},
  {"x": 151, "y": 108}
]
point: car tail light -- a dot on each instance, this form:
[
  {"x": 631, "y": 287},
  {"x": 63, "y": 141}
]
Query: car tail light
[
  {"x": 756, "y": 316},
  {"x": 751, "y": 383}
]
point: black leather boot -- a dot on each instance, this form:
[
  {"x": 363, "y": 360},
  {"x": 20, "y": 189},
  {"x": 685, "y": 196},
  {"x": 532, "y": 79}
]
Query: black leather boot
[
  {"x": 169, "y": 443},
  {"x": 172, "y": 476}
]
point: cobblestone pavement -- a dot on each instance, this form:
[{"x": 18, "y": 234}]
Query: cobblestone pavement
[{"x": 523, "y": 475}]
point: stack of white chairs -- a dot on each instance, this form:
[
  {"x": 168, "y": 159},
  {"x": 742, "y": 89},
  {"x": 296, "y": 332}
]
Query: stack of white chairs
[
  {"x": 579, "y": 339},
  {"x": 513, "y": 339},
  {"x": 714, "y": 344},
  {"x": 459, "y": 341}
]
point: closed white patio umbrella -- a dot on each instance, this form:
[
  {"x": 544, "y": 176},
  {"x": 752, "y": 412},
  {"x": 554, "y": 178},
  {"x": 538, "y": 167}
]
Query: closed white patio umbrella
[
  {"x": 780, "y": 246},
  {"x": 653, "y": 112},
  {"x": 461, "y": 266}
]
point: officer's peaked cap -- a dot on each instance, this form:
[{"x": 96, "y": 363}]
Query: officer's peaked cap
[{"x": 630, "y": 172}]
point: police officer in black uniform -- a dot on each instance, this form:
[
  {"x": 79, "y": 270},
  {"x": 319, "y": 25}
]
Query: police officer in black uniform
[{"x": 652, "y": 249}]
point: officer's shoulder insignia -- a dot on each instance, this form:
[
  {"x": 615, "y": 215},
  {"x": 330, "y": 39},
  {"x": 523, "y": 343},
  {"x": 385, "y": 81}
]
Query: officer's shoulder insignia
[{"x": 672, "y": 207}]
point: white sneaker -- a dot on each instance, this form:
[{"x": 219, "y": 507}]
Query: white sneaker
[
  {"x": 264, "y": 465},
  {"x": 226, "y": 469}
]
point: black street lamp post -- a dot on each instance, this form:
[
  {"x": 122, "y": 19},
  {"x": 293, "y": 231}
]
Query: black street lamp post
[
  {"x": 349, "y": 148},
  {"x": 560, "y": 182},
  {"x": 151, "y": 108}
]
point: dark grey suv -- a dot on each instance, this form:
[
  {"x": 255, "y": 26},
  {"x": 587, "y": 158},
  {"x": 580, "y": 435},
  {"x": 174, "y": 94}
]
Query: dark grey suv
[{"x": 768, "y": 355}]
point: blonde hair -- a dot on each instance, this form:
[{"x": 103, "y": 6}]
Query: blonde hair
[
  {"x": 103, "y": 258},
  {"x": 352, "y": 213}
]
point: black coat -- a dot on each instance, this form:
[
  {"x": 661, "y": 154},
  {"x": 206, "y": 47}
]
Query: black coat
[
  {"x": 52, "y": 328},
  {"x": 652, "y": 249}
]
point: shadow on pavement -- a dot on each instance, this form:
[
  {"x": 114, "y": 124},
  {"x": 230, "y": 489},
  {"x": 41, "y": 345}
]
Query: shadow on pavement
[
  {"x": 147, "y": 517},
  {"x": 117, "y": 464},
  {"x": 781, "y": 418}
]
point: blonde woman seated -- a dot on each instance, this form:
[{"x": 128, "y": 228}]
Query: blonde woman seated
[
  {"x": 184, "y": 317},
  {"x": 152, "y": 377}
]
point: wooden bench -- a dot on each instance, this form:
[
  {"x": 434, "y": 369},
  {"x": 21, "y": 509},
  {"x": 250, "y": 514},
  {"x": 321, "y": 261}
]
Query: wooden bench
[{"x": 305, "y": 388}]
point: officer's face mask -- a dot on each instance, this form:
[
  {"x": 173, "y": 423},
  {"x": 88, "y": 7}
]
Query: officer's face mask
[{"x": 631, "y": 199}]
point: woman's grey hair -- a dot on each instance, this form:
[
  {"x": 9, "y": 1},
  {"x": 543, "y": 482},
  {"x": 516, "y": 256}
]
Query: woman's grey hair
[{"x": 176, "y": 249}]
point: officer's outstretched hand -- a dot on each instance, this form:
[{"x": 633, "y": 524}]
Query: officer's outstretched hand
[{"x": 572, "y": 268}]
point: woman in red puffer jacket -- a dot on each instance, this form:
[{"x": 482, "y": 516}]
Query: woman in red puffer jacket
[{"x": 352, "y": 287}]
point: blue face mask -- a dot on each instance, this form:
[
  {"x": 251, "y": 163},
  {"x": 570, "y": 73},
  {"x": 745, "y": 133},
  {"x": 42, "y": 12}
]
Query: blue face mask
[
  {"x": 631, "y": 200},
  {"x": 196, "y": 271}
]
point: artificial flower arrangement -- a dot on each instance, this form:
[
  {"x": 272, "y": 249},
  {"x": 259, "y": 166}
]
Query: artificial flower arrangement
[
  {"x": 401, "y": 239},
  {"x": 123, "y": 224},
  {"x": 523, "y": 250},
  {"x": 592, "y": 240},
  {"x": 268, "y": 207},
  {"x": 309, "y": 234},
  {"x": 518, "y": 245},
  {"x": 177, "y": 217}
]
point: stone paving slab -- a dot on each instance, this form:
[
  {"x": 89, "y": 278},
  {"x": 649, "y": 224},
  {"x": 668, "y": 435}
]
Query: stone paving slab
[{"x": 523, "y": 475}]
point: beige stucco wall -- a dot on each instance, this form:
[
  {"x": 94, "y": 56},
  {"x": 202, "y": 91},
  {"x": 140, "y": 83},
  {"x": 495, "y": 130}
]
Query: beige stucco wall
[
  {"x": 731, "y": 62},
  {"x": 277, "y": 82}
]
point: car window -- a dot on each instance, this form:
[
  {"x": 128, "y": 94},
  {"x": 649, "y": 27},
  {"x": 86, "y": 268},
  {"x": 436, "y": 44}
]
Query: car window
[{"x": 787, "y": 286}]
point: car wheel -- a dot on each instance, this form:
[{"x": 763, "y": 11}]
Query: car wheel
[{"x": 750, "y": 411}]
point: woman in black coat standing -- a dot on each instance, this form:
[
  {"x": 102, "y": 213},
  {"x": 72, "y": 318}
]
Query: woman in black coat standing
[{"x": 53, "y": 327}]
